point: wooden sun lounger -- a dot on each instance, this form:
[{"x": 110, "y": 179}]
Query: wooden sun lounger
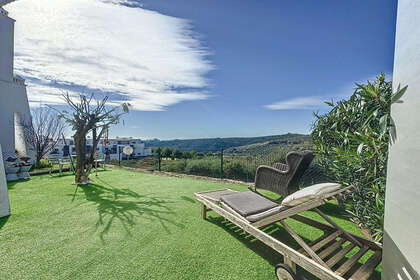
[{"x": 324, "y": 257}]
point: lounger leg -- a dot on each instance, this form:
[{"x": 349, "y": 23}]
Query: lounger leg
[
  {"x": 203, "y": 211},
  {"x": 290, "y": 263}
]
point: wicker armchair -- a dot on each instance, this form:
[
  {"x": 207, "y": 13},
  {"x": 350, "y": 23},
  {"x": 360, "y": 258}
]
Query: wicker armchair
[{"x": 283, "y": 179}]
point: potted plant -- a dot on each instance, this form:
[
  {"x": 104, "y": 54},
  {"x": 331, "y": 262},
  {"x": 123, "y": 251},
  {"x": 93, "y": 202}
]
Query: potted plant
[
  {"x": 25, "y": 167},
  {"x": 12, "y": 168}
]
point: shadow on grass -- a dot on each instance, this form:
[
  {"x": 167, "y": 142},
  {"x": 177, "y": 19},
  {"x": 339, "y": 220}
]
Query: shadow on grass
[
  {"x": 125, "y": 206},
  {"x": 11, "y": 185},
  {"x": 188, "y": 199},
  {"x": 274, "y": 230},
  {"x": 3, "y": 221},
  {"x": 93, "y": 174},
  {"x": 334, "y": 210}
]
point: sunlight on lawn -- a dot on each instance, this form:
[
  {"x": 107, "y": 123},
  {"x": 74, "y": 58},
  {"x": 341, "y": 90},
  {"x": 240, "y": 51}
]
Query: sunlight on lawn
[{"x": 130, "y": 225}]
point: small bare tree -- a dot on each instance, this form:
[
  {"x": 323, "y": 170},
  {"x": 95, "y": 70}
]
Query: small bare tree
[
  {"x": 89, "y": 115},
  {"x": 42, "y": 132}
]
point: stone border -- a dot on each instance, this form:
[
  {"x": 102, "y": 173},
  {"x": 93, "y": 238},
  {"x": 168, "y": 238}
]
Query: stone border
[
  {"x": 180, "y": 175},
  {"x": 43, "y": 172}
]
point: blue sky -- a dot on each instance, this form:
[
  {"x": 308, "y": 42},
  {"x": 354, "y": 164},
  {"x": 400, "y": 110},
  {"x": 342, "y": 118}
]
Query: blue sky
[{"x": 214, "y": 68}]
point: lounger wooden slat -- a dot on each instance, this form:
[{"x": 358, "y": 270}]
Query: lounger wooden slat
[
  {"x": 330, "y": 249},
  {"x": 326, "y": 240},
  {"x": 301, "y": 250},
  {"x": 350, "y": 262},
  {"x": 368, "y": 267},
  {"x": 324, "y": 227},
  {"x": 318, "y": 239},
  {"x": 303, "y": 244},
  {"x": 349, "y": 236},
  {"x": 340, "y": 255}
]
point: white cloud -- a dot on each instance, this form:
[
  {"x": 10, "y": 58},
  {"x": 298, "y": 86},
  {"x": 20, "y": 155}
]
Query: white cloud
[
  {"x": 130, "y": 3},
  {"x": 297, "y": 103},
  {"x": 318, "y": 102},
  {"x": 136, "y": 55}
]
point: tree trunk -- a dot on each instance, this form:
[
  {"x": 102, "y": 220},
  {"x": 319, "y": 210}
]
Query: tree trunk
[
  {"x": 38, "y": 161},
  {"x": 80, "y": 146},
  {"x": 91, "y": 160},
  {"x": 95, "y": 141},
  {"x": 38, "y": 155}
]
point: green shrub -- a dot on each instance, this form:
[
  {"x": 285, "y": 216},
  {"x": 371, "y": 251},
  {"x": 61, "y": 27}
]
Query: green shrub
[
  {"x": 177, "y": 166},
  {"x": 44, "y": 163},
  {"x": 352, "y": 145},
  {"x": 235, "y": 170},
  {"x": 208, "y": 166}
]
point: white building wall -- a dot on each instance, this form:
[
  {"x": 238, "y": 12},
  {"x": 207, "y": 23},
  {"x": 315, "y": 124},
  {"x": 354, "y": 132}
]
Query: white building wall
[
  {"x": 13, "y": 99},
  {"x": 13, "y": 96},
  {"x": 138, "y": 146},
  {"x": 6, "y": 46},
  {"x": 402, "y": 206},
  {"x": 4, "y": 195}
]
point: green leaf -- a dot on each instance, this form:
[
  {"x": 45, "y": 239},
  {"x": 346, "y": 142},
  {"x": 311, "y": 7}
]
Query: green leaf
[
  {"x": 360, "y": 148},
  {"x": 383, "y": 123},
  {"x": 329, "y": 103},
  {"x": 398, "y": 94}
]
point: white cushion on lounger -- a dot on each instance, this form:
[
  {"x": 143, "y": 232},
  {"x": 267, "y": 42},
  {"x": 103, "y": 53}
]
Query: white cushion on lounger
[{"x": 309, "y": 193}]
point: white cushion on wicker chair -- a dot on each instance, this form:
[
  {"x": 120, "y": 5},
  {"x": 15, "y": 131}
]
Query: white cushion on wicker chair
[{"x": 309, "y": 193}]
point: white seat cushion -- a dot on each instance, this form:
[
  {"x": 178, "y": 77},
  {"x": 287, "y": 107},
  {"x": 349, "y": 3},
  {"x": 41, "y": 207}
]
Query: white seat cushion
[{"x": 309, "y": 193}]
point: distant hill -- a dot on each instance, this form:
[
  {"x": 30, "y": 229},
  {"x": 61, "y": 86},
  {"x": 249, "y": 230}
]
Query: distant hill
[
  {"x": 240, "y": 143},
  {"x": 301, "y": 142}
]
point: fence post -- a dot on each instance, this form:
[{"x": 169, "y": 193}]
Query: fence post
[
  {"x": 159, "y": 160},
  {"x": 221, "y": 164}
]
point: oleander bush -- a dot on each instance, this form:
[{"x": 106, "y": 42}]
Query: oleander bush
[{"x": 351, "y": 143}]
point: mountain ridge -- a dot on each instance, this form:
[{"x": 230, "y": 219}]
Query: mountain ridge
[{"x": 216, "y": 144}]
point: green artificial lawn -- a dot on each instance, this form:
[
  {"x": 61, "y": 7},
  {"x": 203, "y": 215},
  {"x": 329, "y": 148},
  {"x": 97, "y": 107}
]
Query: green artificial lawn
[{"x": 130, "y": 225}]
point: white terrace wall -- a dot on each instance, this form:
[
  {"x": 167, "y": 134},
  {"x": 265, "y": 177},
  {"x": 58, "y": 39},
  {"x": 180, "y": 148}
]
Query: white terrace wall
[{"x": 402, "y": 208}]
